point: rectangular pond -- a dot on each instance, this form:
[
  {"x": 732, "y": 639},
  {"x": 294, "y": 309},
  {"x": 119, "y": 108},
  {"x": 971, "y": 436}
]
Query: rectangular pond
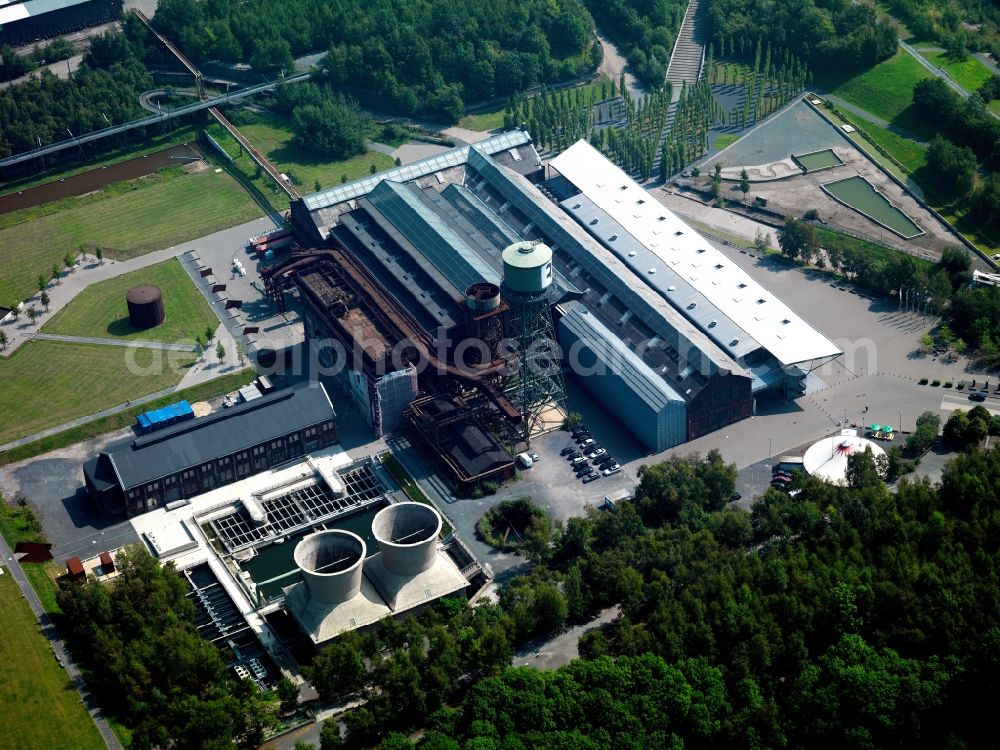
[
  {"x": 859, "y": 194},
  {"x": 273, "y": 568},
  {"x": 817, "y": 160}
]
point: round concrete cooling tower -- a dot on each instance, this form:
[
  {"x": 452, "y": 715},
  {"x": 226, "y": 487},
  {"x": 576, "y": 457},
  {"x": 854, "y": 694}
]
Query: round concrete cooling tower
[
  {"x": 331, "y": 562},
  {"x": 407, "y": 535},
  {"x": 145, "y": 306}
]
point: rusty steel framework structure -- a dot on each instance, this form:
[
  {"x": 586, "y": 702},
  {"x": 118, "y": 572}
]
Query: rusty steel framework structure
[{"x": 380, "y": 336}]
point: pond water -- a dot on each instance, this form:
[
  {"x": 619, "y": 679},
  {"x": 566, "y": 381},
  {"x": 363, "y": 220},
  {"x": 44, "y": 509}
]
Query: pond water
[
  {"x": 818, "y": 160},
  {"x": 859, "y": 194},
  {"x": 273, "y": 568},
  {"x": 95, "y": 179}
]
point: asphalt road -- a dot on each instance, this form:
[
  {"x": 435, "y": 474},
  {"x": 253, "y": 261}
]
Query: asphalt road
[{"x": 57, "y": 646}]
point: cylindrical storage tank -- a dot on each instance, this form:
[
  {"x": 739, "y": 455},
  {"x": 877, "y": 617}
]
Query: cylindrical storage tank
[
  {"x": 407, "y": 535},
  {"x": 527, "y": 267},
  {"x": 482, "y": 297},
  {"x": 331, "y": 564},
  {"x": 145, "y": 306}
]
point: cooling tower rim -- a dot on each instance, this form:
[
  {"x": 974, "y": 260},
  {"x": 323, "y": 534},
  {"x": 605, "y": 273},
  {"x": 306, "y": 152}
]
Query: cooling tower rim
[
  {"x": 344, "y": 534},
  {"x": 393, "y": 509}
]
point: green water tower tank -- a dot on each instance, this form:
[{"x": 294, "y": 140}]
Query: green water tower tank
[{"x": 527, "y": 267}]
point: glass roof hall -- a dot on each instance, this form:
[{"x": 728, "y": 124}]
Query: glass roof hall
[
  {"x": 436, "y": 241},
  {"x": 422, "y": 168}
]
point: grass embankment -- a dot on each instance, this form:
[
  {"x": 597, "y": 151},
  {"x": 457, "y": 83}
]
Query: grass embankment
[
  {"x": 19, "y": 524},
  {"x": 125, "y": 219},
  {"x": 40, "y": 709},
  {"x": 120, "y": 420},
  {"x": 273, "y": 137},
  {"x": 100, "y": 309},
  {"x": 491, "y": 119},
  {"x": 392, "y": 465},
  {"x": 969, "y": 73},
  {"x": 725, "y": 140},
  {"x": 47, "y": 382},
  {"x": 885, "y": 90},
  {"x": 134, "y": 148}
]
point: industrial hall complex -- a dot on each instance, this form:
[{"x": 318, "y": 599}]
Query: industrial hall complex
[
  {"x": 448, "y": 282},
  {"x": 450, "y": 299}
]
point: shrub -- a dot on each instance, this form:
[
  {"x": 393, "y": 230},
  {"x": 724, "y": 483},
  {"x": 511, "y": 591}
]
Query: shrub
[
  {"x": 960, "y": 387},
  {"x": 490, "y": 488},
  {"x": 516, "y": 515},
  {"x": 947, "y": 384},
  {"x": 935, "y": 382},
  {"x": 922, "y": 381}
]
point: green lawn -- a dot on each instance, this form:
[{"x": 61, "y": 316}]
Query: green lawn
[
  {"x": 19, "y": 524},
  {"x": 40, "y": 707},
  {"x": 483, "y": 121},
  {"x": 885, "y": 90},
  {"x": 725, "y": 140},
  {"x": 100, "y": 309},
  {"x": 969, "y": 73},
  {"x": 911, "y": 155},
  {"x": 48, "y": 382},
  {"x": 273, "y": 137},
  {"x": 126, "y": 219},
  {"x": 42, "y": 577}
]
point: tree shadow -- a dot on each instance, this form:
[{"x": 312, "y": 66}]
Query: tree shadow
[{"x": 121, "y": 327}]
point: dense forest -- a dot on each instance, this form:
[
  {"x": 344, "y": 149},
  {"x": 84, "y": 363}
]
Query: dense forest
[
  {"x": 835, "y": 34},
  {"x": 957, "y": 24},
  {"x": 845, "y": 617},
  {"x": 149, "y": 667},
  {"x": 644, "y": 30},
  {"x": 430, "y": 56},
  {"x": 105, "y": 89}
]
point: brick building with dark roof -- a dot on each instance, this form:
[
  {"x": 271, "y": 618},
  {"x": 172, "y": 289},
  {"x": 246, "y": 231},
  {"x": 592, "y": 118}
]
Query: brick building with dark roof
[{"x": 198, "y": 455}]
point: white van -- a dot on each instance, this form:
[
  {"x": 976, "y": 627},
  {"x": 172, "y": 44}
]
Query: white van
[{"x": 524, "y": 461}]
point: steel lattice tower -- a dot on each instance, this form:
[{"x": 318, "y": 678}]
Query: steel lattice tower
[{"x": 533, "y": 381}]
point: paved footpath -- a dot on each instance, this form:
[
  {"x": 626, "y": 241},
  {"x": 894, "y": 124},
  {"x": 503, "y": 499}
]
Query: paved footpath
[
  {"x": 58, "y": 647},
  {"x": 116, "y": 342},
  {"x": 89, "y": 272}
]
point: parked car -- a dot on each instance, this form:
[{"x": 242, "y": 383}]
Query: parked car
[
  {"x": 782, "y": 475},
  {"x": 566, "y": 451},
  {"x": 613, "y": 465},
  {"x": 735, "y": 496},
  {"x": 609, "y": 471},
  {"x": 582, "y": 470},
  {"x": 533, "y": 456},
  {"x": 578, "y": 460},
  {"x": 977, "y": 396},
  {"x": 590, "y": 478},
  {"x": 574, "y": 454},
  {"x": 597, "y": 453}
]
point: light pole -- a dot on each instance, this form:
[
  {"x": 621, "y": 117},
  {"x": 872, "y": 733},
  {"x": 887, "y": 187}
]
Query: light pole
[{"x": 769, "y": 449}]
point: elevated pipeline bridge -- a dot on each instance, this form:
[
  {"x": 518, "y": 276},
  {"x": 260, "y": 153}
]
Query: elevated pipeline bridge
[{"x": 97, "y": 135}]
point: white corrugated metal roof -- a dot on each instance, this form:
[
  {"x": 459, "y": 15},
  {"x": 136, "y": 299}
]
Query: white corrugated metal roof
[
  {"x": 11, "y": 12},
  {"x": 728, "y": 287}
]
